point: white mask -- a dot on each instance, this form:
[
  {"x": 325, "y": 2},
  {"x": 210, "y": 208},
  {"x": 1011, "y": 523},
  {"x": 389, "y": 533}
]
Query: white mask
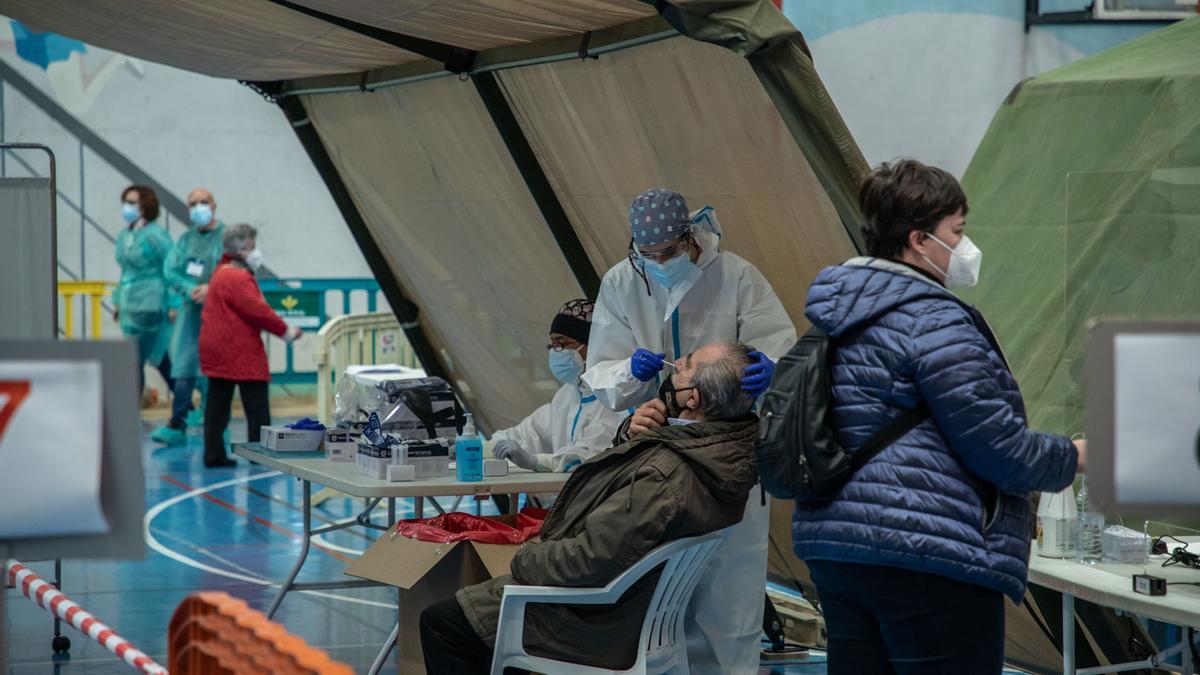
[
  {"x": 965, "y": 261},
  {"x": 254, "y": 259}
]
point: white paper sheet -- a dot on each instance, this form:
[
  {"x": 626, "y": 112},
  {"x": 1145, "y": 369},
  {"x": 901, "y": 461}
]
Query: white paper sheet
[
  {"x": 50, "y": 449},
  {"x": 1157, "y": 436}
]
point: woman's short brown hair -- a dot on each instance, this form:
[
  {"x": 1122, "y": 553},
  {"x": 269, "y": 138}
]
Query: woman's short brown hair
[
  {"x": 900, "y": 197},
  {"x": 147, "y": 200}
]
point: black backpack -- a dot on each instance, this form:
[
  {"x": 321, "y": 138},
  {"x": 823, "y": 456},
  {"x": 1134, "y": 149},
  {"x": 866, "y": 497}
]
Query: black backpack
[{"x": 798, "y": 455}]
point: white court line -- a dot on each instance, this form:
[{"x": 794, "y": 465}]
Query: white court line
[{"x": 153, "y": 542}]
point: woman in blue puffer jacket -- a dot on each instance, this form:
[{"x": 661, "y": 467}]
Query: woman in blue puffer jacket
[{"x": 914, "y": 556}]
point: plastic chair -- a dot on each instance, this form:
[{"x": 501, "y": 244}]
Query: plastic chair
[{"x": 662, "y": 639}]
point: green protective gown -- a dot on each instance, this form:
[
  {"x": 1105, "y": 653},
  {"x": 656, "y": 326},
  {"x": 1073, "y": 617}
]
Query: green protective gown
[
  {"x": 190, "y": 263},
  {"x": 141, "y": 295}
]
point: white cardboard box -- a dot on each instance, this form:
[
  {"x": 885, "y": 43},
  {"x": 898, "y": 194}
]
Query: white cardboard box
[
  {"x": 283, "y": 439},
  {"x": 341, "y": 445}
]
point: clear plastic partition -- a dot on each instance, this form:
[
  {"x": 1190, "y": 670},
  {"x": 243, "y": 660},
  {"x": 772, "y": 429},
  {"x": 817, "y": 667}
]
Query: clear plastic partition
[{"x": 1132, "y": 249}]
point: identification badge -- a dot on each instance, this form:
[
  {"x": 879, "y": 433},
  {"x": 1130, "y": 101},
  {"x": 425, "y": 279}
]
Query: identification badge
[{"x": 195, "y": 268}]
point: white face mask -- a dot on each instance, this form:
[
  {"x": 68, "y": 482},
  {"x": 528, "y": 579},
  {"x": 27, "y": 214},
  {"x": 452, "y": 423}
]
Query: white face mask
[
  {"x": 253, "y": 259},
  {"x": 965, "y": 261}
]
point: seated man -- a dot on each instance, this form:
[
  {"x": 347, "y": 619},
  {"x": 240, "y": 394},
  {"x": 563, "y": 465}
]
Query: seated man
[
  {"x": 573, "y": 426},
  {"x": 688, "y": 471}
]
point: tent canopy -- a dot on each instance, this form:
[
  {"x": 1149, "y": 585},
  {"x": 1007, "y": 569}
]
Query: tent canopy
[
  {"x": 485, "y": 152},
  {"x": 1085, "y": 198}
]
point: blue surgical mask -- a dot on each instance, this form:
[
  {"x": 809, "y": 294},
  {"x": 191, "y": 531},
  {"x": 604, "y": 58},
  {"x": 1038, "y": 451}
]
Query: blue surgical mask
[
  {"x": 672, "y": 272},
  {"x": 201, "y": 214},
  {"x": 130, "y": 213},
  {"x": 566, "y": 365}
]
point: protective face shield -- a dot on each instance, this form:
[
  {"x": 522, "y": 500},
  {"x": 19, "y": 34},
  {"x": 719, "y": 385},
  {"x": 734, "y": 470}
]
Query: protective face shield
[
  {"x": 130, "y": 213},
  {"x": 965, "y": 261},
  {"x": 667, "y": 393},
  {"x": 672, "y": 272},
  {"x": 567, "y": 365},
  {"x": 253, "y": 259},
  {"x": 201, "y": 214}
]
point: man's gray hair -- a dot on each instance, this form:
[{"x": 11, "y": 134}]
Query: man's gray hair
[
  {"x": 237, "y": 236},
  {"x": 720, "y": 383}
]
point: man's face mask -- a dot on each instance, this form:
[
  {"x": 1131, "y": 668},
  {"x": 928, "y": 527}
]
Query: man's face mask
[
  {"x": 965, "y": 261},
  {"x": 667, "y": 393},
  {"x": 200, "y": 214}
]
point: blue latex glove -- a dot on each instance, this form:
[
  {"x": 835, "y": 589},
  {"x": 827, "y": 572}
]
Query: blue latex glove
[
  {"x": 308, "y": 424},
  {"x": 758, "y": 374},
  {"x": 506, "y": 449},
  {"x": 645, "y": 364}
]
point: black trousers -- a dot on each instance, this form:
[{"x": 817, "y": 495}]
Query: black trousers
[
  {"x": 450, "y": 645},
  {"x": 217, "y": 411},
  {"x": 891, "y": 620}
]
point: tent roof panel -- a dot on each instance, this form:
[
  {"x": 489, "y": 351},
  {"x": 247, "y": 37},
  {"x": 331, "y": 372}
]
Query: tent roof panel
[
  {"x": 222, "y": 38},
  {"x": 487, "y": 24},
  {"x": 265, "y": 41}
]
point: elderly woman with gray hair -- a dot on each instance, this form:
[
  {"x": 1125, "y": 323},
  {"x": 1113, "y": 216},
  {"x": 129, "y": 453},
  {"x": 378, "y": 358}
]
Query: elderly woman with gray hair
[{"x": 231, "y": 351}]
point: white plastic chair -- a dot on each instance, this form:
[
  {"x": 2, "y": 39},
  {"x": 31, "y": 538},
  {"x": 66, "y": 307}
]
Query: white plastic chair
[{"x": 664, "y": 647}]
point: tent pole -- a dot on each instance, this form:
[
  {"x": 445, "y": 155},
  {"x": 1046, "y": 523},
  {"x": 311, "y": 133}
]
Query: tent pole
[
  {"x": 539, "y": 185},
  {"x": 406, "y": 311}
]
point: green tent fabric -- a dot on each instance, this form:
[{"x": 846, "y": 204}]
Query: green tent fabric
[{"x": 1085, "y": 198}]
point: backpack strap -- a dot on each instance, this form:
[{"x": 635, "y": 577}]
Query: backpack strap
[{"x": 888, "y": 435}]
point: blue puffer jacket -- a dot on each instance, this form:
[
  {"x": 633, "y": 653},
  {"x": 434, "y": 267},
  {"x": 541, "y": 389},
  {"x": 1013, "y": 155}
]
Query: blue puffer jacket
[{"x": 952, "y": 496}]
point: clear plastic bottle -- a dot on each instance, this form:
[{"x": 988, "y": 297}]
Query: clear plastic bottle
[
  {"x": 468, "y": 453},
  {"x": 1091, "y": 528}
]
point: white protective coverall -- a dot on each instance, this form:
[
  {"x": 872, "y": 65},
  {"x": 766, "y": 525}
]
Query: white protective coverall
[
  {"x": 731, "y": 300},
  {"x": 568, "y": 430}
]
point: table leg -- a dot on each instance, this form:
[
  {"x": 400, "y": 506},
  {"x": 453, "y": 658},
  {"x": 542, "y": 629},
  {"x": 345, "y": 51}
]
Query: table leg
[
  {"x": 1068, "y": 633},
  {"x": 287, "y": 584},
  {"x": 391, "y": 512},
  {"x": 386, "y": 649},
  {"x": 419, "y": 507},
  {"x": 512, "y": 502}
]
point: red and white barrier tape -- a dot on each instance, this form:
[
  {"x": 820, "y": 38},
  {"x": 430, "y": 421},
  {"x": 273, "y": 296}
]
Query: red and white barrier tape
[{"x": 54, "y": 601}]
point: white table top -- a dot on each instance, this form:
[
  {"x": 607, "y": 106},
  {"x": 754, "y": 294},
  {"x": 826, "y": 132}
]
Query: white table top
[
  {"x": 1112, "y": 586},
  {"x": 344, "y": 476}
]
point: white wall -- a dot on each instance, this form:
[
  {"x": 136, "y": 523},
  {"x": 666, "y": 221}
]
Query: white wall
[
  {"x": 186, "y": 130},
  {"x": 923, "y": 78}
]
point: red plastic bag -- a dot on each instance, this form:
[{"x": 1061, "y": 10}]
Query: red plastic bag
[{"x": 457, "y": 526}]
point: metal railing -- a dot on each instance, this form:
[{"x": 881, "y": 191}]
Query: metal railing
[{"x": 356, "y": 339}]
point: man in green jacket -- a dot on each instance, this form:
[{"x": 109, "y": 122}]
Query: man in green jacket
[
  {"x": 187, "y": 269},
  {"x": 686, "y": 471}
]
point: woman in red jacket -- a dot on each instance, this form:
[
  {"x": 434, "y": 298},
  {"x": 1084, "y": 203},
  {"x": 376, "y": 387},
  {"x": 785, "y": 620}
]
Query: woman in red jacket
[{"x": 231, "y": 350}]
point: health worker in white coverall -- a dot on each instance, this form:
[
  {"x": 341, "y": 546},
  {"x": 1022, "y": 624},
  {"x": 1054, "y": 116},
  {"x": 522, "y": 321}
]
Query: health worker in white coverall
[
  {"x": 677, "y": 292},
  {"x": 573, "y": 426}
]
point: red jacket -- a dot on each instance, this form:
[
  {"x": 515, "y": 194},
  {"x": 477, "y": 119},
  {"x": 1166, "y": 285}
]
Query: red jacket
[{"x": 235, "y": 313}]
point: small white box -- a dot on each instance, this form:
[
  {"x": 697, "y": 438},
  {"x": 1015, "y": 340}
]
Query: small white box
[
  {"x": 401, "y": 472},
  {"x": 341, "y": 445},
  {"x": 284, "y": 439},
  {"x": 495, "y": 467}
]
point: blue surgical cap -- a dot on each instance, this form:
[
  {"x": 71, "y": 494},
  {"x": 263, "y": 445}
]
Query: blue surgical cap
[{"x": 657, "y": 216}]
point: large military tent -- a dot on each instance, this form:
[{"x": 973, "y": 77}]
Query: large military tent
[
  {"x": 485, "y": 153},
  {"x": 1085, "y": 198}
]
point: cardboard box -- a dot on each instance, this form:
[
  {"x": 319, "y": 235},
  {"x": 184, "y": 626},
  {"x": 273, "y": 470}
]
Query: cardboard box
[
  {"x": 427, "y": 573},
  {"x": 341, "y": 445},
  {"x": 283, "y": 439}
]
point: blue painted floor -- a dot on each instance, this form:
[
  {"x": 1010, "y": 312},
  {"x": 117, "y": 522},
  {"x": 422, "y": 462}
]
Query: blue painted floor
[{"x": 237, "y": 538}]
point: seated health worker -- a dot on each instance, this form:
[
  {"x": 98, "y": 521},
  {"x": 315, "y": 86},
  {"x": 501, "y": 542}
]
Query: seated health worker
[
  {"x": 913, "y": 557},
  {"x": 573, "y": 426},
  {"x": 679, "y": 479}
]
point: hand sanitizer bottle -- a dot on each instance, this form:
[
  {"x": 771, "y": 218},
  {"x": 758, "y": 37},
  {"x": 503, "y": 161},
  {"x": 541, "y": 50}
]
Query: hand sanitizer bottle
[{"x": 468, "y": 453}]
